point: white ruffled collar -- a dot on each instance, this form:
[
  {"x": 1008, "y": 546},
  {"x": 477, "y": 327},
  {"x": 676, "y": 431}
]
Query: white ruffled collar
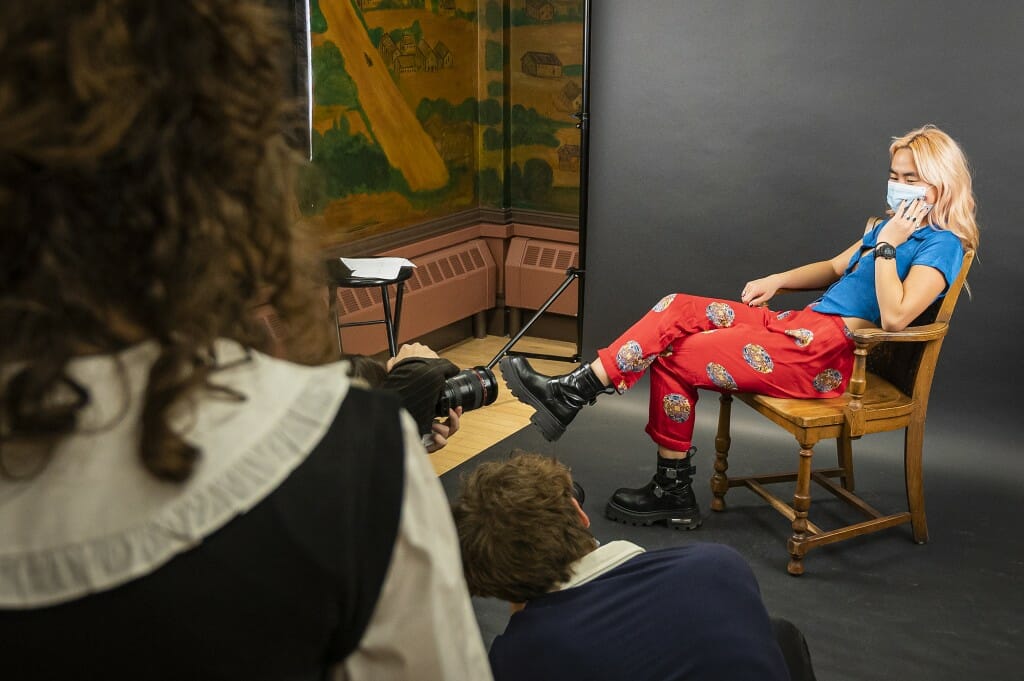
[{"x": 94, "y": 518}]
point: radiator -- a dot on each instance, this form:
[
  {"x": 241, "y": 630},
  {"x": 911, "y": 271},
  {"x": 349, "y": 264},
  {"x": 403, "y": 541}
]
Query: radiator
[{"x": 534, "y": 269}]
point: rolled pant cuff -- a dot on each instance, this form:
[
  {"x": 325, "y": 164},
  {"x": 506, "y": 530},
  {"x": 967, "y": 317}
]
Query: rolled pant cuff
[{"x": 667, "y": 442}]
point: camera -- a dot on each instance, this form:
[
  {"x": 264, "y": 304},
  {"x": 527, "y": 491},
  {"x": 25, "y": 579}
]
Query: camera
[{"x": 469, "y": 389}]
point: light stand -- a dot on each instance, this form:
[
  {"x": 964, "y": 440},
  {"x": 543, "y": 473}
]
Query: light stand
[{"x": 573, "y": 273}]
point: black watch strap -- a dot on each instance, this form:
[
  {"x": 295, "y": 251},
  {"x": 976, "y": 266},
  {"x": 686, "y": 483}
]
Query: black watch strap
[{"x": 885, "y": 251}]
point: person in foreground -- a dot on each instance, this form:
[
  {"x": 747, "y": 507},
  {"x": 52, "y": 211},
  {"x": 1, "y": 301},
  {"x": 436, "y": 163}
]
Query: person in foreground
[
  {"x": 887, "y": 278},
  {"x": 583, "y": 611},
  {"x": 174, "y": 503}
]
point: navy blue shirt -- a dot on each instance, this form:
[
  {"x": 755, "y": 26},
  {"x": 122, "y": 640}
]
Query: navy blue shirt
[
  {"x": 691, "y": 612},
  {"x": 854, "y": 294}
]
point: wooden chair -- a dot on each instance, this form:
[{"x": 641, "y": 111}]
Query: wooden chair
[{"x": 889, "y": 388}]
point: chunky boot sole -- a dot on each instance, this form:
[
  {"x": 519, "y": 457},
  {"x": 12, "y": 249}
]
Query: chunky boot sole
[
  {"x": 550, "y": 427},
  {"x": 673, "y": 518}
]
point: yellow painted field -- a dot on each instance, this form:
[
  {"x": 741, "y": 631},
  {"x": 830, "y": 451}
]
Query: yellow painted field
[{"x": 400, "y": 135}]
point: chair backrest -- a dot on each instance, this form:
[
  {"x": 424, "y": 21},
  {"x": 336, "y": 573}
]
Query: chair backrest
[{"x": 911, "y": 366}]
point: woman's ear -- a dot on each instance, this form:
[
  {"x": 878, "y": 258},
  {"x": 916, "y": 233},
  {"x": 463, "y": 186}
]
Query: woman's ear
[{"x": 584, "y": 518}]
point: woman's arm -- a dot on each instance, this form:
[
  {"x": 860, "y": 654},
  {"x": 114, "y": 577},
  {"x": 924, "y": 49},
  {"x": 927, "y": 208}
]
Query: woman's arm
[
  {"x": 900, "y": 302},
  {"x": 811, "y": 276}
]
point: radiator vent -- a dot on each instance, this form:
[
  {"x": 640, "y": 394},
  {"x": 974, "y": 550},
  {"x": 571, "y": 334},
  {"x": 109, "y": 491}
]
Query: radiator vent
[
  {"x": 556, "y": 256},
  {"x": 272, "y": 326},
  {"x": 447, "y": 285},
  {"x": 534, "y": 269}
]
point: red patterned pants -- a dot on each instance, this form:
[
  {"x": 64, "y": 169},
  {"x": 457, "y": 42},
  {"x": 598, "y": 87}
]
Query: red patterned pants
[{"x": 689, "y": 342}]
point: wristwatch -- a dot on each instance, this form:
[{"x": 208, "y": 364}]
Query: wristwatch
[{"x": 885, "y": 251}]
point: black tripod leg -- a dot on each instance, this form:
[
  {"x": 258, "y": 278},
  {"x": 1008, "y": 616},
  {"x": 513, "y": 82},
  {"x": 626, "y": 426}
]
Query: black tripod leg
[{"x": 571, "y": 276}]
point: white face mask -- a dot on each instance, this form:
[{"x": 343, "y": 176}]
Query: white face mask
[{"x": 903, "y": 192}]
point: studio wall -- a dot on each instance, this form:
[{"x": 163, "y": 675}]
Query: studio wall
[{"x": 732, "y": 139}]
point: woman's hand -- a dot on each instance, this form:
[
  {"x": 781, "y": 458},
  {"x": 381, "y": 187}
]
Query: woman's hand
[
  {"x": 760, "y": 291},
  {"x": 444, "y": 429},
  {"x": 905, "y": 220}
]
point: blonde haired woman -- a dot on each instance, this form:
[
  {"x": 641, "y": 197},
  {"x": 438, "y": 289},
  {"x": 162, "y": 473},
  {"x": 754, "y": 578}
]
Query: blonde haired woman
[{"x": 887, "y": 278}]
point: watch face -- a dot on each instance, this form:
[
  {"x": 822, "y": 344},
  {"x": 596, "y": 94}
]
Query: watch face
[{"x": 887, "y": 251}]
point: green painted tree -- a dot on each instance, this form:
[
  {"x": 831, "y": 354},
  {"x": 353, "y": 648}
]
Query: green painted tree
[
  {"x": 349, "y": 163},
  {"x": 493, "y": 139},
  {"x": 331, "y": 82},
  {"x": 537, "y": 180},
  {"x": 317, "y": 22},
  {"x": 492, "y": 16},
  {"x": 493, "y": 55},
  {"x": 489, "y": 188}
]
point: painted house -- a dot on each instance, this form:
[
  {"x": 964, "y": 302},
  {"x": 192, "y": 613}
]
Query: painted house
[
  {"x": 404, "y": 63},
  {"x": 407, "y": 45},
  {"x": 426, "y": 60},
  {"x": 447, "y": 8},
  {"x": 568, "y": 7},
  {"x": 570, "y": 97},
  {"x": 540, "y": 10},
  {"x": 387, "y": 48},
  {"x": 569, "y": 157},
  {"x": 445, "y": 59},
  {"x": 454, "y": 141},
  {"x": 542, "y": 64}
]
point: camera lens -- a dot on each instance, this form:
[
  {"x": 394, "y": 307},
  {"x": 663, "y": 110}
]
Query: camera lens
[{"x": 469, "y": 389}]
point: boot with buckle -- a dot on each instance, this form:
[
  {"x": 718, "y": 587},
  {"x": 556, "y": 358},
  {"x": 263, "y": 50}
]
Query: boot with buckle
[
  {"x": 556, "y": 399},
  {"x": 667, "y": 497}
]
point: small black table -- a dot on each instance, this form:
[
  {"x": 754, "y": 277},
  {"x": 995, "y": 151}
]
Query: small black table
[{"x": 338, "y": 275}]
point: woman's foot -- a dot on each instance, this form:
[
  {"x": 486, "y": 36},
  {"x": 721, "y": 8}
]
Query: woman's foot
[
  {"x": 667, "y": 497},
  {"x": 556, "y": 399}
]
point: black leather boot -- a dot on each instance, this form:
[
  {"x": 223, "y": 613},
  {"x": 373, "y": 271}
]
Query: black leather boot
[
  {"x": 556, "y": 399},
  {"x": 668, "y": 496}
]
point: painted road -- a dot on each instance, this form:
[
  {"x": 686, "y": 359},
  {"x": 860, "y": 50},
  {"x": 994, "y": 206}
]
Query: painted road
[{"x": 408, "y": 147}]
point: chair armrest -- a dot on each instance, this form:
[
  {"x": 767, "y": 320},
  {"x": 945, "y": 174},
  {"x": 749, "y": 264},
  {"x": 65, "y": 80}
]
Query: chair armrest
[
  {"x": 866, "y": 339},
  {"x": 911, "y": 334}
]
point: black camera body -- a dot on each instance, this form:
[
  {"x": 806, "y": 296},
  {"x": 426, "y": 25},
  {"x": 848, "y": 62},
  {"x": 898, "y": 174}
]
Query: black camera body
[{"x": 469, "y": 389}]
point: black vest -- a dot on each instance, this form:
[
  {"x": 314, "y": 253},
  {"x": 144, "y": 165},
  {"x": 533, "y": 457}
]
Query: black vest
[{"x": 280, "y": 592}]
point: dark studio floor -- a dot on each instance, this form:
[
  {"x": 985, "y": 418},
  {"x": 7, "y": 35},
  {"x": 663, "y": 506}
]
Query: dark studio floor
[{"x": 876, "y": 607}]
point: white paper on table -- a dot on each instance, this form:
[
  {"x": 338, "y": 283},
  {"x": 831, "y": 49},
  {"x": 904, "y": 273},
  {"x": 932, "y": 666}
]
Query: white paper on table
[{"x": 376, "y": 268}]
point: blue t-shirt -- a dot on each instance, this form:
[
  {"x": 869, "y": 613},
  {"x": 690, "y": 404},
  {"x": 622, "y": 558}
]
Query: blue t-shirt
[
  {"x": 854, "y": 294},
  {"x": 690, "y": 612}
]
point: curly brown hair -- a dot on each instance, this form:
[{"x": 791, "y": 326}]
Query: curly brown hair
[
  {"x": 144, "y": 176},
  {"x": 518, "y": 529}
]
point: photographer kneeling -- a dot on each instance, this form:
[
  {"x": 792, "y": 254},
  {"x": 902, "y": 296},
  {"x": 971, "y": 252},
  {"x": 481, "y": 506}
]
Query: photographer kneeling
[{"x": 581, "y": 610}]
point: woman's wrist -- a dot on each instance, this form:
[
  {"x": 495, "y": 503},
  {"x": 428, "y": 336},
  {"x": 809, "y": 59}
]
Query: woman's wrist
[{"x": 885, "y": 251}]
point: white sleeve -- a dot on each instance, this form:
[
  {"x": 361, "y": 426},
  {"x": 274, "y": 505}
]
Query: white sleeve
[{"x": 423, "y": 626}]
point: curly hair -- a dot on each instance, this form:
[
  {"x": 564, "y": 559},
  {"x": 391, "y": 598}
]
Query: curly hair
[
  {"x": 144, "y": 176},
  {"x": 518, "y": 529}
]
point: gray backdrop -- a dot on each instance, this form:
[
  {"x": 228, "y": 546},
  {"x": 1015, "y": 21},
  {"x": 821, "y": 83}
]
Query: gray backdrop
[{"x": 734, "y": 139}]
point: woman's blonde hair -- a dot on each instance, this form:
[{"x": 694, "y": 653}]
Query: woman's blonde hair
[{"x": 941, "y": 163}]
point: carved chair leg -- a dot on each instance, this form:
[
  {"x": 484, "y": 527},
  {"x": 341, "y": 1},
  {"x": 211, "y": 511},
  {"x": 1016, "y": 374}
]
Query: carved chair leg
[
  {"x": 912, "y": 454},
  {"x": 802, "y": 505},
  {"x": 720, "y": 481},
  {"x": 844, "y": 452}
]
